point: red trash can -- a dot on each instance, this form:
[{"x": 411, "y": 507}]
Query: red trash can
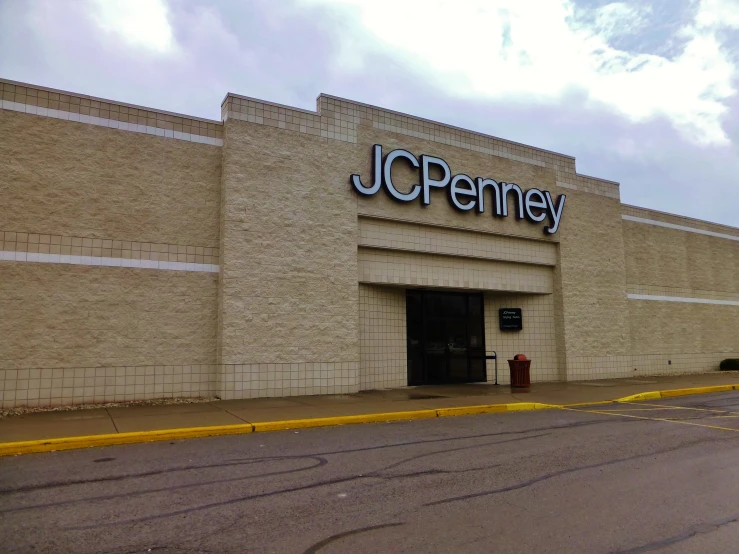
[{"x": 520, "y": 368}]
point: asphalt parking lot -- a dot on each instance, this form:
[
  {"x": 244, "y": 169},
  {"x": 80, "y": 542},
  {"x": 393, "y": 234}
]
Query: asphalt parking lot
[{"x": 617, "y": 478}]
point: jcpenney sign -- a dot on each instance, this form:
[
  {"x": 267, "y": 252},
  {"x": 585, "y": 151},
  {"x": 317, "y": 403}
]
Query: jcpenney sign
[{"x": 463, "y": 192}]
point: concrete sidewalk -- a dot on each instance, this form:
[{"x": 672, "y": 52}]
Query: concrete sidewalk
[{"x": 104, "y": 421}]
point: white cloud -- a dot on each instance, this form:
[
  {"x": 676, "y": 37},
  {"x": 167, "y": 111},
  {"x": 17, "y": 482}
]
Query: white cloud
[
  {"x": 536, "y": 51},
  {"x": 714, "y": 13},
  {"x": 140, "y": 23}
]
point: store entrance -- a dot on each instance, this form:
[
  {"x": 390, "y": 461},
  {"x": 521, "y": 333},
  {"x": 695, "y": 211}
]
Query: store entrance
[{"x": 446, "y": 337}]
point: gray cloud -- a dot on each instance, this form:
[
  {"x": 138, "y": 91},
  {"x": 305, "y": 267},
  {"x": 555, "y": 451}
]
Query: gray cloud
[{"x": 287, "y": 53}]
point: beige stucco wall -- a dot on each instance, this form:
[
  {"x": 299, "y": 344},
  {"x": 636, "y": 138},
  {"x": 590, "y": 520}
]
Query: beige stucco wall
[
  {"x": 76, "y": 333},
  {"x": 148, "y": 333},
  {"x": 430, "y": 270},
  {"x": 68, "y": 178},
  {"x": 289, "y": 292},
  {"x": 287, "y": 282},
  {"x": 694, "y": 337},
  {"x": 669, "y": 273},
  {"x": 591, "y": 269},
  {"x": 679, "y": 262},
  {"x": 393, "y": 234}
]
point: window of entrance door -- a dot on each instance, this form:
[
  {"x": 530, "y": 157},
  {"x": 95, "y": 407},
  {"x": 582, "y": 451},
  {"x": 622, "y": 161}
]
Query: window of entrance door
[{"x": 445, "y": 337}]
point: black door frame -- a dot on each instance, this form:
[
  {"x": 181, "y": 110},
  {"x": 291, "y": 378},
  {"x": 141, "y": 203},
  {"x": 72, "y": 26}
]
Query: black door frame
[{"x": 424, "y": 322}]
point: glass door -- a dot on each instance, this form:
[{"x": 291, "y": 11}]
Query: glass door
[{"x": 445, "y": 337}]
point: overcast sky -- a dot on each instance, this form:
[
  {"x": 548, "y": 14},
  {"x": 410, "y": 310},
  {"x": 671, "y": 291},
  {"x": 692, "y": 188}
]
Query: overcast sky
[{"x": 643, "y": 92}]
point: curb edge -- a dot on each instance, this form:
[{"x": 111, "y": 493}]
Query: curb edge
[
  {"x": 112, "y": 439},
  {"x": 672, "y": 393}
]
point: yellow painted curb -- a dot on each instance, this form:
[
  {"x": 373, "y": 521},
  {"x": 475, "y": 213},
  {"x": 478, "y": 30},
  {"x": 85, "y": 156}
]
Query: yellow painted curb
[
  {"x": 655, "y": 395},
  {"x": 528, "y": 406},
  {"x": 472, "y": 410},
  {"x": 493, "y": 408},
  {"x": 696, "y": 390},
  {"x": 71, "y": 443},
  {"x": 341, "y": 420}
]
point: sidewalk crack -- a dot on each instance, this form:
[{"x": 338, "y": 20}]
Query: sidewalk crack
[
  {"x": 234, "y": 415},
  {"x": 112, "y": 420}
]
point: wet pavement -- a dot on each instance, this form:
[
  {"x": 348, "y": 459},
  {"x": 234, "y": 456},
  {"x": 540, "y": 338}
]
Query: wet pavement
[{"x": 656, "y": 476}]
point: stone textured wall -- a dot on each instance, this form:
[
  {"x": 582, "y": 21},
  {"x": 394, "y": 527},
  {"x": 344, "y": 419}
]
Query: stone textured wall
[
  {"x": 591, "y": 294},
  {"x": 684, "y": 293},
  {"x": 678, "y": 262},
  {"x": 74, "y": 333},
  {"x": 67, "y": 178},
  {"x": 114, "y": 323},
  {"x": 671, "y": 328},
  {"x": 289, "y": 292}
]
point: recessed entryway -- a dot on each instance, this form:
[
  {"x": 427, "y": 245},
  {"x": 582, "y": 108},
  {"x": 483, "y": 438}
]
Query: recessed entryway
[{"x": 446, "y": 337}]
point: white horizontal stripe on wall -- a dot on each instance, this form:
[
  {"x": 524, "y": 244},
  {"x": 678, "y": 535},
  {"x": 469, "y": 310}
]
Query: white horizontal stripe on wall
[
  {"x": 110, "y": 123},
  {"x": 678, "y": 227},
  {"x": 683, "y": 299},
  {"x": 615, "y": 193},
  {"x": 33, "y": 257}
]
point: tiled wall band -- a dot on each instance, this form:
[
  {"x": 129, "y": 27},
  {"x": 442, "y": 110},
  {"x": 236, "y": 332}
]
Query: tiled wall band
[
  {"x": 84, "y": 385},
  {"x": 657, "y": 218},
  {"x": 40, "y": 101},
  {"x": 287, "y": 379},
  {"x": 634, "y": 365},
  {"x": 21, "y": 242},
  {"x": 383, "y": 337}
]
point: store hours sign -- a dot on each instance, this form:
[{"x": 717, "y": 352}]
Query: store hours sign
[
  {"x": 463, "y": 192},
  {"x": 511, "y": 319}
]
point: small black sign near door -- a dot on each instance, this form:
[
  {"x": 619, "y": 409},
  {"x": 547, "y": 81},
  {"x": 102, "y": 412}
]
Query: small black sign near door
[{"x": 510, "y": 319}]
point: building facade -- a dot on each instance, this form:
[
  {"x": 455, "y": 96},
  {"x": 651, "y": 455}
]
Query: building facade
[{"x": 280, "y": 252}]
